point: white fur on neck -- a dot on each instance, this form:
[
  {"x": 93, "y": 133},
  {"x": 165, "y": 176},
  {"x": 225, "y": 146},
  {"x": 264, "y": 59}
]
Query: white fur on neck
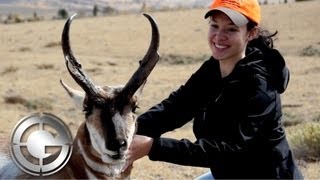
[{"x": 103, "y": 168}]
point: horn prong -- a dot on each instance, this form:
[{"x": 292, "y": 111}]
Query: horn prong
[{"x": 73, "y": 66}]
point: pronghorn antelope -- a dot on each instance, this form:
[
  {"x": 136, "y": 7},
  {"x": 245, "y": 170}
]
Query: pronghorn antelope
[{"x": 102, "y": 140}]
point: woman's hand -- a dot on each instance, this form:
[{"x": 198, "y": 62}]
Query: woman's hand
[{"x": 140, "y": 147}]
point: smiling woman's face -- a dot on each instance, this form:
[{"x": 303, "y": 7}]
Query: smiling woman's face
[{"x": 226, "y": 40}]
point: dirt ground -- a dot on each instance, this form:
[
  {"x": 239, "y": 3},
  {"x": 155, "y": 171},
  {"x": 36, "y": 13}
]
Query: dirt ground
[{"x": 109, "y": 49}]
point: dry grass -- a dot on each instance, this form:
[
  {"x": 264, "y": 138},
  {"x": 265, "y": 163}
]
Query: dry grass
[
  {"x": 110, "y": 47},
  {"x": 305, "y": 141}
]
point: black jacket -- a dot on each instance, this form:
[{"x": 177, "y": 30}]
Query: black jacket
[{"x": 236, "y": 120}]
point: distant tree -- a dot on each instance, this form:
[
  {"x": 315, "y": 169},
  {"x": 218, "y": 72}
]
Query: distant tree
[
  {"x": 62, "y": 13},
  {"x": 35, "y": 15},
  {"x": 95, "y": 10}
]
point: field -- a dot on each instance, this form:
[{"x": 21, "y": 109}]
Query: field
[{"x": 109, "y": 49}]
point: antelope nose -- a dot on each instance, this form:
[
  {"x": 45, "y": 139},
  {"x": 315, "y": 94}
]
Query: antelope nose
[
  {"x": 123, "y": 143},
  {"x": 116, "y": 144}
]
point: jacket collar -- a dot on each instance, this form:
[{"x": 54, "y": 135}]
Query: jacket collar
[{"x": 268, "y": 64}]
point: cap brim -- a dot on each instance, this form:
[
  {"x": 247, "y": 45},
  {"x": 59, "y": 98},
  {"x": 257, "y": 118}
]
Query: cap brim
[{"x": 237, "y": 18}]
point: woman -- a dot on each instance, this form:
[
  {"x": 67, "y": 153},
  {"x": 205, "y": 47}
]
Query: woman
[{"x": 233, "y": 100}]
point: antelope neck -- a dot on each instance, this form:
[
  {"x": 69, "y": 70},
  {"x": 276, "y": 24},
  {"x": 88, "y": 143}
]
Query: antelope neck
[{"x": 94, "y": 166}]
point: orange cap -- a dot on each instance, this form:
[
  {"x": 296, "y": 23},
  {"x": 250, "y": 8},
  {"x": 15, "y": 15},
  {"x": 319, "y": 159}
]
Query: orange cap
[{"x": 239, "y": 11}]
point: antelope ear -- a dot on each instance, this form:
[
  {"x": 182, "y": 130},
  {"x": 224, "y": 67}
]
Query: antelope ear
[{"x": 76, "y": 96}]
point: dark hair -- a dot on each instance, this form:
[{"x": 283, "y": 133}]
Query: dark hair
[{"x": 265, "y": 38}]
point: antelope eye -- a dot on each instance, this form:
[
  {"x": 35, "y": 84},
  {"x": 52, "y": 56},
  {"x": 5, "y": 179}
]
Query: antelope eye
[{"x": 86, "y": 109}]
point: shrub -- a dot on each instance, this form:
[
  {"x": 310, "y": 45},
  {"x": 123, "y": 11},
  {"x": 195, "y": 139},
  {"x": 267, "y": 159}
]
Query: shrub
[
  {"x": 53, "y": 44},
  {"x": 310, "y": 51},
  {"x": 181, "y": 59},
  {"x": 13, "y": 18},
  {"x": 45, "y": 66},
  {"x": 38, "y": 104},
  {"x": 109, "y": 10},
  {"x": 14, "y": 99},
  {"x": 9, "y": 69},
  {"x": 32, "y": 104},
  {"x": 290, "y": 119},
  {"x": 25, "y": 49},
  {"x": 305, "y": 141}
]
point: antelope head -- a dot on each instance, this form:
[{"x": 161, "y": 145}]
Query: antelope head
[{"x": 109, "y": 110}]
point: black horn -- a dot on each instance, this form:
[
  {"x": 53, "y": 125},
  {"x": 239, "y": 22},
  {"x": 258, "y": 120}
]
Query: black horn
[
  {"x": 73, "y": 66},
  {"x": 146, "y": 64}
]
